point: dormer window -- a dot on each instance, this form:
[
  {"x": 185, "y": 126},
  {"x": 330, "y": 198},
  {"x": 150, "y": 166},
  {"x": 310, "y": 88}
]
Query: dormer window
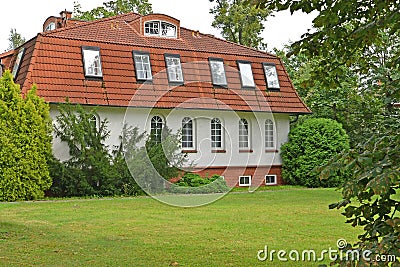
[
  {"x": 50, "y": 27},
  {"x": 271, "y": 76},
  {"x": 92, "y": 61},
  {"x": 17, "y": 63},
  {"x": 246, "y": 74},
  {"x": 160, "y": 28}
]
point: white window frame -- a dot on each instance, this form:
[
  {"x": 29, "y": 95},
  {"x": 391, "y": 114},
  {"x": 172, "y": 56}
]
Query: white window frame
[
  {"x": 218, "y": 73},
  {"x": 245, "y": 184},
  {"x": 244, "y": 133},
  {"x": 246, "y": 74},
  {"x": 18, "y": 61},
  {"x": 160, "y": 28},
  {"x": 269, "y": 132},
  {"x": 215, "y": 133},
  {"x": 92, "y": 61},
  {"x": 187, "y": 132},
  {"x": 51, "y": 26},
  {"x": 174, "y": 68},
  {"x": 96, "y": 120},
  {"x": 156, "y": 127},
  {"x": 275, "y": 179},
  {"x": 142, "y": 68},
  {"x": 271, "y": 76}
]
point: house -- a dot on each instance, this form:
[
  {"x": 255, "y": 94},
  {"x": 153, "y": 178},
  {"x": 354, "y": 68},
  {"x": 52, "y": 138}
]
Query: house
[{"x": 231, "y": 102}]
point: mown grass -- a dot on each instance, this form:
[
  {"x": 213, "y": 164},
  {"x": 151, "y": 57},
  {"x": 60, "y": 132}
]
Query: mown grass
[{"x": 144, "y": 232}]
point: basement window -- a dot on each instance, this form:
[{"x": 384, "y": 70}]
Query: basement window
[
  {"x": 159, "y": 28},
  {"x": 245, "y": 180},
  {"x": 92, "y": 61},
  {"x": 270, "y": 179},
  {"x": 271, "y": 76}
]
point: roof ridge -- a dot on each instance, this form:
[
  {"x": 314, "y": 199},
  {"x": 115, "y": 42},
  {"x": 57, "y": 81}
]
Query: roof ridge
[
  {"x": 86, "y": 23},
  {"x": 230, "y": 42}
]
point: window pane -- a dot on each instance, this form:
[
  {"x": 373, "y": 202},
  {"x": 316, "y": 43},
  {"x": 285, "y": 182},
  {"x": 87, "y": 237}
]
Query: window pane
[
  {"x": 271, "y": 76},
  {"x": 152, "y": 28},
  {"x": 92, "y": 63},
  {"x": 218, "y": 72},
  {"x": 143, "y": 67},
  {"x": 18, "y": 62},
  {"x": 216, "y": 133},
  {"x": 246, "y": 75},
  {"x": 174, "y": 69},
  {"x": 187, "y": 133},
  {"x": 243, "y": 133},
  {"x": 168, "y": 30},
  {"x": 156, "y": 128},
  {"x": 269, "y": 134}
]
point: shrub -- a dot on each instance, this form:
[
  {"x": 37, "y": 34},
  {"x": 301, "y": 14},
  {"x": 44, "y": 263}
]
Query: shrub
[
  {"x": 25, "y": 143},
  {"x": 95, "y": 170},
  {"x": 191, "y": 183},
  {"x": 312, "y": 144}
]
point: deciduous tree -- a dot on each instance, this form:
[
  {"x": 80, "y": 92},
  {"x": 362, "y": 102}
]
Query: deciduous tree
[
  {"x": 15, "y": 39},
  {"x": 113, "y": 8},
  {"x": 351, "y": 33},
  {"x": 240, "y": 22}
]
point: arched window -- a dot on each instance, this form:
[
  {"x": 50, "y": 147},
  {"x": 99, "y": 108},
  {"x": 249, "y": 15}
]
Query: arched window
[
  {"x": 95, "y": 121},
  {"x": 269, "y": 134},
  {"x": 156, "y": 128},
  {"x": 243, "y": 134},
  {"x": 216, "y": 133},
  {"x": 187, "y": 133}
]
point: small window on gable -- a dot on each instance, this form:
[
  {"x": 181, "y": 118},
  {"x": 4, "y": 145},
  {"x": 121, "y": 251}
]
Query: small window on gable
[
  {"x": 246, "y": 74},
  {"x": 217, "y": 71},
  {"x": 271, "y": 76},
  {"x": 142, "y": 66},
  {"x": 174, "y": 68},
  {"x": 92, "y": 61},
  {"x": 17, "y": 63},
  {"x": 51, "y": 26},
  {"x": 159, "y": 28}
]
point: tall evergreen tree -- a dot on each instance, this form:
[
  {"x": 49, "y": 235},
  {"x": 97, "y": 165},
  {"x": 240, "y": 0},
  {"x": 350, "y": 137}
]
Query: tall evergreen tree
[{"x": 25, "y": 143}]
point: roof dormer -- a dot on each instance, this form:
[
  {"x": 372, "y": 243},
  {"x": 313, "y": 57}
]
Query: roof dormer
[
  {"x": 63, "y": 21},
  {"x": 159, "y": 25}
]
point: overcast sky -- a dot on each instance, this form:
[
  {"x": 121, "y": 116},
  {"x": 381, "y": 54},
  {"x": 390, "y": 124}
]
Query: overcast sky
[{"x": 28, "y": 17}]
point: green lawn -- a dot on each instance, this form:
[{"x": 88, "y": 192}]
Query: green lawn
[{"x": 145, "y": 232}]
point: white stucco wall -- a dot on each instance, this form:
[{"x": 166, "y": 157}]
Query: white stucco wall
[{"x": 140, "y": 117}]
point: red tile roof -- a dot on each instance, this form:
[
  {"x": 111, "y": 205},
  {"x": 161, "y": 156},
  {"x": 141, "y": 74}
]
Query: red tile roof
[{"x": 53, "y": 61}]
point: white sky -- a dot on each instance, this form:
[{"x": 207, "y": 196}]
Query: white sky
[{"x": 28, "y": 17}]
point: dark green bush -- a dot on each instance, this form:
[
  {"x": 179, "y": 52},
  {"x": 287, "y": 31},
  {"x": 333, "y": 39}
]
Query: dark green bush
[
  {"x": 192, "y": 183},
  {"x": 312, "y": 144}
]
